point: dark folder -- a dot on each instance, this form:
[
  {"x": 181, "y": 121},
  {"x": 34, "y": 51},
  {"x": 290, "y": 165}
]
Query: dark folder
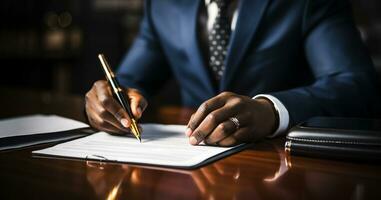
[
  {"x": 17, "y": 142},
  {"x": 337, "y": 138}
]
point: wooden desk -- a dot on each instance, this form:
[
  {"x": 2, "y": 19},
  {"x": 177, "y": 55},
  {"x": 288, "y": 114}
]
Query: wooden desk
[{"x": 260, "y": 172}]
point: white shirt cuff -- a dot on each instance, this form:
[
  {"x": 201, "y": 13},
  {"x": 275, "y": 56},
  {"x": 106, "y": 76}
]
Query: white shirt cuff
[{"x": 284, "y": 117}]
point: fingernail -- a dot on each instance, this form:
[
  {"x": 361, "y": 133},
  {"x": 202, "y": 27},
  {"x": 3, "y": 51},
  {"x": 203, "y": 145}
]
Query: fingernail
[
  {"x": 193, "y": 140},
  {"x": 188, "y": 132},
  {"x": 125, "y": 122}
]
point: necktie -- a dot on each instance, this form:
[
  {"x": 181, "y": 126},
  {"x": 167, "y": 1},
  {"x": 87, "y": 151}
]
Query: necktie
[{"x": 219, "y": 39}]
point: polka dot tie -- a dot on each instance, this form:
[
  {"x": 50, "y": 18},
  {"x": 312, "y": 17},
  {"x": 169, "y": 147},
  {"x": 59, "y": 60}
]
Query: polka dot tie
[{"x": 218, "y": 40}]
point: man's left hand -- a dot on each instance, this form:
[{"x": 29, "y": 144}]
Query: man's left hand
[{"x": 213, "y": 122}]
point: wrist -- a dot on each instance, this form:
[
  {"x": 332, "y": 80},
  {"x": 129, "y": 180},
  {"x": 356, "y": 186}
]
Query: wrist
[{"x": 270, "y": 118}]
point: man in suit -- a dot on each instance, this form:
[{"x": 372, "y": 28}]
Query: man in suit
[{"x": 281, "y": 61}]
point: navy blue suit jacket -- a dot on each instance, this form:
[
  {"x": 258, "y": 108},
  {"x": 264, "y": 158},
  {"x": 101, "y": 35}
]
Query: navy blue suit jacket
[{"x": 306, "y": 53}]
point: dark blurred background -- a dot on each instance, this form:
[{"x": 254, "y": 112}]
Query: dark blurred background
[{"x": 48, "y": 49}]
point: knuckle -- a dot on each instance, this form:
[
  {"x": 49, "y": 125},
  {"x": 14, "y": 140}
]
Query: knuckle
[
  {"x": 222, "y": 127},
  {"x": 96, "y": 84},
  {"x": 105, "y": 100},
  {"x": 99, "y": 83},
  {"x": 204, "y": 107},
  {"x": 87, "y": 96},
  {"x": 225, "y": 93},
  {"x": 192, "y": 125},
  {"x": 212, "y": 118},
  {"x": 102, "y": 123},
  {"x": 236, "y": 101}
]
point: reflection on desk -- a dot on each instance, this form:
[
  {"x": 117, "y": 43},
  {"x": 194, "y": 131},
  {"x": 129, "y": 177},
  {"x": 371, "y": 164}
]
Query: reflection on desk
[{"x": 253, "y": 175}]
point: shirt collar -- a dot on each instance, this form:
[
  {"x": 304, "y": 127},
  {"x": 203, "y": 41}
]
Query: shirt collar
[{"x": 207, "y": 2}]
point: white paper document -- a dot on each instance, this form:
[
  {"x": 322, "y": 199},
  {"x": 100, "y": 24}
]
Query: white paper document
[
  {"x": 164, "y": 145},
  {"x": 37, "y": 124},
  {"x": 37, "y": 129}
]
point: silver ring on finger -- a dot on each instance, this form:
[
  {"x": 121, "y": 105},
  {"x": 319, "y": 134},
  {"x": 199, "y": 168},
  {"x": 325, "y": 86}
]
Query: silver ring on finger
[{"x": 235, "y": 122}]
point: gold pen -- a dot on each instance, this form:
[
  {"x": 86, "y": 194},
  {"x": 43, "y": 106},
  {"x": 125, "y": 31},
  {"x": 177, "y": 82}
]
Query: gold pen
[{"x": 118, "y": 94}]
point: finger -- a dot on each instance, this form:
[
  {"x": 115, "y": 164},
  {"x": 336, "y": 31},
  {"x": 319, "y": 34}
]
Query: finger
[
  {"x": 246, "y": 135},
  {"x": 110, "y": 104},
  {"x": 103, "y": 125},
  {"x": 211, "y": 121},
  {"x": 222, "y": 131},
  {"x": 205, "y": 108},
  {"x": 138, "y": 103},
  {"x": 188, "y": 131},
  {"x": 97, "y": 122},
  {"x": 89, "y": 98},
  {"x": 229, "y": 141},
  {"x": 227, "y": 128},
  {"x": 238, "y": 137},
  {"x": 93, "y": 108},
  {"x": 107, "y": 116}
]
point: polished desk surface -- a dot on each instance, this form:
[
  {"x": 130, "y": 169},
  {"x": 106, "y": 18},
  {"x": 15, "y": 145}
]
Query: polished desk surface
[{"x": 262, "y": 171}]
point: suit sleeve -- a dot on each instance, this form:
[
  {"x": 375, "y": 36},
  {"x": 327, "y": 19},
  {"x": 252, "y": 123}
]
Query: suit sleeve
[
  {"x": 345, "y": 83},
  {"x": 145, "y": 66}
]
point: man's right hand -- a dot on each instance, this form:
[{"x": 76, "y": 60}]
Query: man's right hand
[{"x": 106, "y": 114}]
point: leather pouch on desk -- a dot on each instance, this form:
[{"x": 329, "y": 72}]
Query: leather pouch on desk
[{"x": 336, "y": 138}]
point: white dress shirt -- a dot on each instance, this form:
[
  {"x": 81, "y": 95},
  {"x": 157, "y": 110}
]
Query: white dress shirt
[{"x": 283, "y": 115}]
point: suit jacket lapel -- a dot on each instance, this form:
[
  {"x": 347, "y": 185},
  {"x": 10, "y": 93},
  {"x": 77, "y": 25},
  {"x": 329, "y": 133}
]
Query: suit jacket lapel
[
  {"x": 249, "y": 15},
  {"x": 191, "y": 42}
]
